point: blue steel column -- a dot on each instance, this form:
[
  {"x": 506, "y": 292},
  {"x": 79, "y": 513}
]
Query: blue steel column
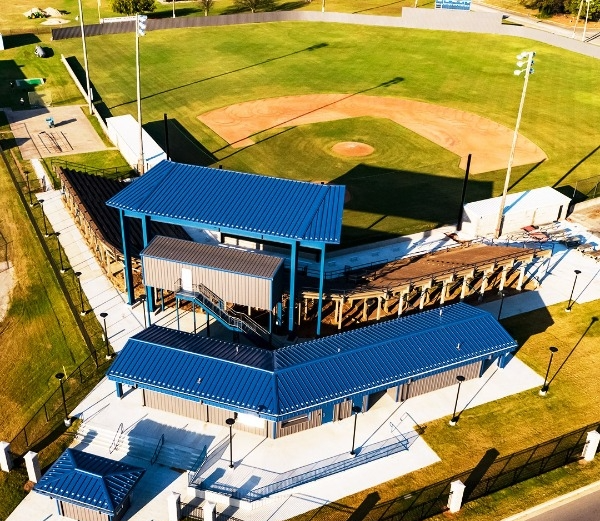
[
  {"x": 128, "y": 272},
  {"x": 149, "y": 289},
  {"x": 321, "y": 285},
  {"x": 291, "y": 303}
]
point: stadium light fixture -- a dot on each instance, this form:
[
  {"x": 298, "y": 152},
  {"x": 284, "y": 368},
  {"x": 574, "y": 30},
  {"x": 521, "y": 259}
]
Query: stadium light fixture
[
  {"x": 525, "y": 64},
  {"x": 140, "y": 24}
]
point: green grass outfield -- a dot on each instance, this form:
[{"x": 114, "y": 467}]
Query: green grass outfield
[{"x": 412, "y": 184}]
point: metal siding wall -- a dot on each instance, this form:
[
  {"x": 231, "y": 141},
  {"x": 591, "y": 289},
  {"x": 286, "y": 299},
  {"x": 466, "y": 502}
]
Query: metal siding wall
[
  {"x": 445, "y": 379},
  {"x": 160, "y": 273},
  {"x": 231, "y": 287},
  {"x": 315, "y": 420},
  {"x": 218, "y": 416},
  {"x": 81, "y": 513},
  {"x": 342, "y": 410},
  {"x": 179, "y": 406}
]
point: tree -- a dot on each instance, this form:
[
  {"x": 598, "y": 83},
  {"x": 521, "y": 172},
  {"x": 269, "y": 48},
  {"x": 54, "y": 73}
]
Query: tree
[
  {"x": 207, "y": 5},
  {"x": 254, "y": 5},
  {"x": 129, "y": 7}
]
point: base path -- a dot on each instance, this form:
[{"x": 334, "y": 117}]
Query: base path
[{"x": 456, "y": 130}]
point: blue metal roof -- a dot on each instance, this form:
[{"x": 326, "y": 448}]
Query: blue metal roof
[
  {"x": 90, "y": 481},
  {"x": 302, "y": 377},
  {"x": 235, "y": 202}
]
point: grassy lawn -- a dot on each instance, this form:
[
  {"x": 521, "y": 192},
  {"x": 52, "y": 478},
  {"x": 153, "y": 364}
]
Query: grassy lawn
[
  {"x": 516, "y": 422},
  {"x": 235, "y": 65}
]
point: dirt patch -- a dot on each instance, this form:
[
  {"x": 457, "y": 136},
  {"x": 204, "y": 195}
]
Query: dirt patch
[
  {"x": 352, "y": 149},
  {"x": 456, "y": 130}
]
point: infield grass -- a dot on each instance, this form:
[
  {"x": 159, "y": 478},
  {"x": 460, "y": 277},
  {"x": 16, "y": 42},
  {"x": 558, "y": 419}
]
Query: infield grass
[{"x": 413, "y": 185}]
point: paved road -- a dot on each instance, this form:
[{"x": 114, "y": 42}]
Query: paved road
[{"x": 586, "y": 508}]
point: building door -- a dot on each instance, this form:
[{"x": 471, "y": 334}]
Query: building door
[{"x": 186, "y": 279}]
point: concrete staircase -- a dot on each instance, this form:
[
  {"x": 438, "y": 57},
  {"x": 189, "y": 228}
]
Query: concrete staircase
[{"x": 150, "y": 449}]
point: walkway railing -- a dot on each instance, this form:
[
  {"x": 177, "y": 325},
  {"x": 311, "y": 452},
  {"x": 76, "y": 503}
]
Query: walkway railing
[
  {"x": 318, "y": 470},
  {"x": 117, "y": 439}
]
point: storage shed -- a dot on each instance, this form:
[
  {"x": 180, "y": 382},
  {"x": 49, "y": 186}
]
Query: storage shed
[
  {"x": 89, "y": 487},
  {"x": 236, "y": 276},
  {"x": 275, "y": 393},
  {"x": 533, "y": 207},
  {"x": 124, "y": 132}
]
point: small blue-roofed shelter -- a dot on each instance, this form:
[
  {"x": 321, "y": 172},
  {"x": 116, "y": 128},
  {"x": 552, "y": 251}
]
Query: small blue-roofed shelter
[
  {"x": 89, "y": 487},
  {"x": 304, "y": 385},
  {"x": 294, "y": 213}
]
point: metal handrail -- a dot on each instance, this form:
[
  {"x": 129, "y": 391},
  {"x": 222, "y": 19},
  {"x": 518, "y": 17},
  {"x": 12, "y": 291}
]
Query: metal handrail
[
  {"x": 207, "y": 298},
  {"x": 159, "y": 446},
  {"x": 197, "y": 465},
  {"x": 320, "y": 469},
  {"x": 117, "y": 439}
]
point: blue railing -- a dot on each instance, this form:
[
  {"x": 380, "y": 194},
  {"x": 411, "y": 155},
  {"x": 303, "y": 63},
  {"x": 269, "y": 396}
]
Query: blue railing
[
  {"x": 197, "y": 466},
  {"x": 157, "y": 450},
  {"x": 319, "y": 469}
]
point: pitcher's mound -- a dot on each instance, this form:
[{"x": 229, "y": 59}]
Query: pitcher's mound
[{"x": 352, "y": 149}]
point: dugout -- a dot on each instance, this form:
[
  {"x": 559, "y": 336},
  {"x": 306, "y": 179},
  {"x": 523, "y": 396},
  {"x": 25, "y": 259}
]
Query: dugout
[
  {"x": 301, "y": 386},
  {"x": 124, "y": 132},
  {"x": 87, "y": 487},
  {"x": 530, "y": 208}
]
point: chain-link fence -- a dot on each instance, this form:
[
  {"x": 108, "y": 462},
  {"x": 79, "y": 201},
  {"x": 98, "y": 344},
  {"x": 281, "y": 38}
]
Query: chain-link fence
[{"x": 588, "y": 188}]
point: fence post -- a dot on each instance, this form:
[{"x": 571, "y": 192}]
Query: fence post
[
  {"x": 455, "y": 498},
  {"x": 6, "y": 462},
  {"x": 591, "y": 445},
  {"x": 174, "y": 506},
  {"x": 32, "y": 463},
  {"x": 209, "y": 511}
]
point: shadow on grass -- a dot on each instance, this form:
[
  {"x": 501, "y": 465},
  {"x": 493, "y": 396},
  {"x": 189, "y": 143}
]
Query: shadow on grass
[
  {"x": 79, "y": 72},
  {"x": 419, "y": 196},
  {"x": 182, "y": 146},
  {"x": 257, "y": 64},
  {"x": 19, "y": 40},
  {"x": 592, "y": 322}
]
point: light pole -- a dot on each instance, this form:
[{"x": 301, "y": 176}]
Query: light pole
[
  {"x": 85, "y": 60},
  {"x": 173, "y": 8},
  {"x": 460, "y": 379},
  {"x": 78, "y": 274},
  {"x": 546, "y": 386},
  {"x": 230, "y": 422},
  {"x": 526, "y": 61},
  {"x": 570, "y": 304},
  {"x": 502, "y": 295},
  {"x": 104, "y": 315},
  {"x": 59, "y": 377},
  {"x": 46, "y": 234},
  {"x": 28, "y": 189},
  {"x": 140, "y": 30},
  {"x": 62, "y": 267},
  {"x": 355, "y": 410}
]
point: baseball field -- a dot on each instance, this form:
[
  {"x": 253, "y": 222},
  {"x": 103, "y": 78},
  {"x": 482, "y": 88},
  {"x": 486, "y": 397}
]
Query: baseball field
[{"x": 296, "y": 99}]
